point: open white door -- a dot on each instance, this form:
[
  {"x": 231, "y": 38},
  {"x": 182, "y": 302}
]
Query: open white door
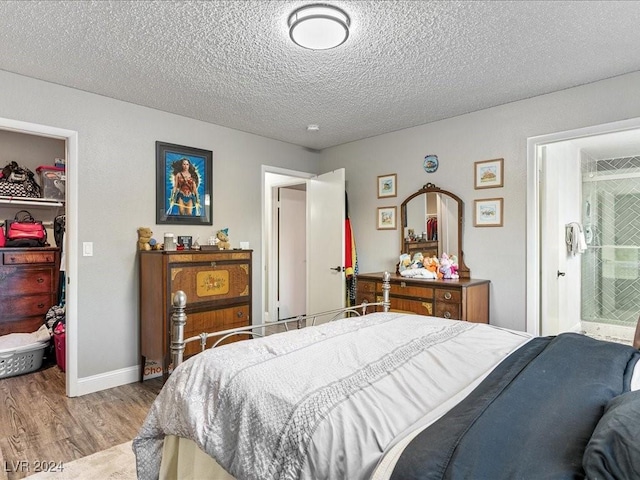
[{"x": 326, "y": 289}]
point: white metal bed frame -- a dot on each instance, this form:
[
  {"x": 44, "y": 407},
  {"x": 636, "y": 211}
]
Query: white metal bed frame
[{"x": 179, "y": 320}]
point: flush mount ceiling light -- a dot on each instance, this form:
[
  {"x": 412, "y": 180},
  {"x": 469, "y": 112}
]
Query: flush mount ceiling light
[{"x": 319, "y": 27}]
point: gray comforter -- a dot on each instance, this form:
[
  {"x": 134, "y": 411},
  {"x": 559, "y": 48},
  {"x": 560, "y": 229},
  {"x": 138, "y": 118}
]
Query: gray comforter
[{"x": 322, "y": 402}]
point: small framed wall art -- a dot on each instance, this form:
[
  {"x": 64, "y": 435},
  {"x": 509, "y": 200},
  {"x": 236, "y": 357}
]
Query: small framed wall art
[
  {"x": 488, "y": 212},
  {"x": 488, "y": 173},
  {"x": 387, "y": 185},
  {"x": 387, "y": 218}
]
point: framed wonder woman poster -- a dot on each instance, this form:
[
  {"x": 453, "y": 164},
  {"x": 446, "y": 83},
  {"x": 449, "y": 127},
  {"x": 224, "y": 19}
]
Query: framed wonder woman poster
[{"x": 183, "y": 188}]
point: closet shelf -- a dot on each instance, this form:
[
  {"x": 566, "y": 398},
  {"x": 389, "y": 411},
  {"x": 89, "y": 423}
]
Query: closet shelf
[{"x": 34, "y": 202}]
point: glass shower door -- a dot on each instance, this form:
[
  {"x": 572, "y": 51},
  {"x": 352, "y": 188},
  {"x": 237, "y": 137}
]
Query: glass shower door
[{"x": 611, "y": 265}]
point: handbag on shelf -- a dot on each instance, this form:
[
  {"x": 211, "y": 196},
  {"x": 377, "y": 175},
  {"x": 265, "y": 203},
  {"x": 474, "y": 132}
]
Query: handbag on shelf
[
  {"x": 17, "y": 181},
  {"x": 24, "y": 231}
]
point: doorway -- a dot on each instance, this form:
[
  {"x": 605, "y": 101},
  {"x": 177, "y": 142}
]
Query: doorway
[
  {"x": 70, "y": 138},
  {"x": 275, "y": 179},
  {"x": 587, "y": 176},
  {"x": 322, "y": 232}
]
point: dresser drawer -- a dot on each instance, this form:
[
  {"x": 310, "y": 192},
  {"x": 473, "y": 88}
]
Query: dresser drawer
[
  {"x": 20, "y": 324},
  {"x": 25, "y": 281},
  {"x": 215, "y": 282},
  {"x": 26, "y": 306},
  {"x": 366, "y": 287},
  {"x": 22, "y": 257},
  {"x": 366, "y": 292},
  {"x": 446, "y": 295},
  {"x": 421, "y": 307},
  {"x": 408, "y": 290},
  {"x": 214, "y": 320},
  {"x": 447, "y": 310}
]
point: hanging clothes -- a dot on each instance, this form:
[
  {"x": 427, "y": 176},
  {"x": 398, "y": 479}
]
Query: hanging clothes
[
  {"x": 432, "y": 228},
  {"x": 350, "y": 257}
]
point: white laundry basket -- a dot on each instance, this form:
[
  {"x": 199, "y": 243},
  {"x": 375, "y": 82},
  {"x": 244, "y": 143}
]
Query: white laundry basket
[{"x": 17, "y": 361}]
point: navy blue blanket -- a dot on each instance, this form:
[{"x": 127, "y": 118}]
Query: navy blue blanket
[{"x": 531, "y": 418}]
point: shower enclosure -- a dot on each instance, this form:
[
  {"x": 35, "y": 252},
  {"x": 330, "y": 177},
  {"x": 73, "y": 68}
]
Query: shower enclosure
[{"x": 610, "y": 280}]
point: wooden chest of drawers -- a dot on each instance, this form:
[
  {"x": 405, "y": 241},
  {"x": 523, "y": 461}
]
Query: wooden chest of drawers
[
  {"x": 463, "y": 299},
  {"x": 218, "y": 289},
  {"x": 29, "y": 280}
]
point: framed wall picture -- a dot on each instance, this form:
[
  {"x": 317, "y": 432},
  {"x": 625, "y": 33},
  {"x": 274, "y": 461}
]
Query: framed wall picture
[
  {"x": 387, "y": 185},
  {"x": 184, "y": 176},
  {"x": 387, "y": 218},
  {"x": 487, "y": 212},
  {"x": 488, "y": 173}
]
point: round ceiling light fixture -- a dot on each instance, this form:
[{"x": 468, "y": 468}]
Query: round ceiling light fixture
[{"x": 319, "y": 27}]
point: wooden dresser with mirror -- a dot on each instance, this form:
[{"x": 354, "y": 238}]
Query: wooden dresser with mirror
[{"x": 465, "y": 298}]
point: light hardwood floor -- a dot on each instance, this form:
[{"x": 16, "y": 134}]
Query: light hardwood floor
[{"x": 39, "y": 423}]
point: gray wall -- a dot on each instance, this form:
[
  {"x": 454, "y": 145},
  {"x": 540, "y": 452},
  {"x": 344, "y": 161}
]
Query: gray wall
[
  {"x": 116, "y": 175},
  {"x": 498, "y": 254}
]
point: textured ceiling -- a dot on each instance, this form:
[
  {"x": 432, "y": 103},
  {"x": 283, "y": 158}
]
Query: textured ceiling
[{"x": 405, "y": 63}]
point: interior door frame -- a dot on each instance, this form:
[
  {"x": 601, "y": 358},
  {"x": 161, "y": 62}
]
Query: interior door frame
[
  {"x": 534, "y": 260},
  {"x": 269, "y": 253},
  {"x": 71, "y": 238}
]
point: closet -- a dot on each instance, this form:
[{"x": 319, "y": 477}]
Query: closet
[{"x": 30, "y": 277}]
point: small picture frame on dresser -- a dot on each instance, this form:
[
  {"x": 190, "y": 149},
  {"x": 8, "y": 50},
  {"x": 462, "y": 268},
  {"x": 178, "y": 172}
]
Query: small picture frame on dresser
[{"x": 185, "y": 241}]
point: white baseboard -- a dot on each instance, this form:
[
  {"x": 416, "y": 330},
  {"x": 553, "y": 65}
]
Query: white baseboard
[{"x": 108, "y": 380}]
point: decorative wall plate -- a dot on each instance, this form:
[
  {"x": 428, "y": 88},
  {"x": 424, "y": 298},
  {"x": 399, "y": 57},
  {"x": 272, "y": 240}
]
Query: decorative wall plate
[{"x": 430, "y": 163}]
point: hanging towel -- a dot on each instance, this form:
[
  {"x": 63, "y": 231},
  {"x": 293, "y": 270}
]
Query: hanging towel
[{"x": 574, "y": 238}]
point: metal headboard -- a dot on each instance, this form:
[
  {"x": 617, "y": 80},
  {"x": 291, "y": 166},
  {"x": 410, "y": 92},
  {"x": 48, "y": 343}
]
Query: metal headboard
[{"x": 179, "y": 320}]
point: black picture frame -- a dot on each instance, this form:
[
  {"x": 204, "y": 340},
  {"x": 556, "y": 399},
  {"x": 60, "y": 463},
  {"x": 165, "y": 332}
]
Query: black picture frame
[
  {"x": 192, "y": 204},
  {"x": 185, "y": 241}
]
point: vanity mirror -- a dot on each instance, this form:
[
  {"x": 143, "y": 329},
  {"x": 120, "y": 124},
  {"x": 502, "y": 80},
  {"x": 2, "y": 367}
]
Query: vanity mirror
[{"x": 431, "y": 220}]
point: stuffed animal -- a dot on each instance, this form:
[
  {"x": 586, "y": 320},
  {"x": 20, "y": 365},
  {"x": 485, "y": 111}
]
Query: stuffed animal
[
  {"x": 144, "y": 237},
  {"x": 433, "y": 265},
  {"x": 454, "y": 266},
  {"x": 405, "y": 262},
  {"x": 446, "y": 267},
  {"x": 223, "y": 239},
  {"x": 417, "y": 260}
]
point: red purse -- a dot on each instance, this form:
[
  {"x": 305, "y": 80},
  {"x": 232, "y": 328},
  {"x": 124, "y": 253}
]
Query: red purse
[{"x": 25, "y": 231}]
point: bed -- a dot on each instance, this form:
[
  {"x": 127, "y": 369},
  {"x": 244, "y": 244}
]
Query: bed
[{"x": 388, "y": 395}]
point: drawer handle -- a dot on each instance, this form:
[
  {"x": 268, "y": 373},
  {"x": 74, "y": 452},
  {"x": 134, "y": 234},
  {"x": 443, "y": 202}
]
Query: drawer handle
[
  {"x": 40, "y": 280},
  {"x": 403, "y": 284},
  {"x": 213, "y": 264},
  {"x": 41, "y": 305},
  {"x": 447, "y": 315},
  {"x": 447, "y": 295},
  {"x": 240, "y": 314}
]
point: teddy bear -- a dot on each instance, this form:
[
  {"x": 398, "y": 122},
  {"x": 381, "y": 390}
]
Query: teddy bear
[
  {"x": 223, "y": 239},
  {"x": 144, "y": 237}
]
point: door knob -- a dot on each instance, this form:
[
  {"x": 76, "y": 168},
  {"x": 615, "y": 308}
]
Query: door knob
[{"x": 337, "y": 269}]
